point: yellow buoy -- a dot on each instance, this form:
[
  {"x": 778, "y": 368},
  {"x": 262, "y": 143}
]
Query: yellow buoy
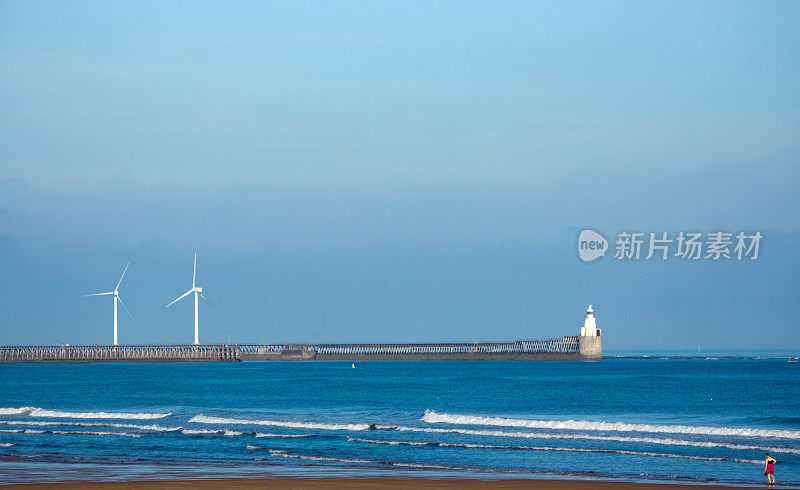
[{"x": 354, "y": 365}]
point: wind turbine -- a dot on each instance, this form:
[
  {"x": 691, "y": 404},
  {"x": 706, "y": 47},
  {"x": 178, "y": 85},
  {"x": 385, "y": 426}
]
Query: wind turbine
[
  {"x": 115, "y": 292},
  {"x": 197, "y": 291}
]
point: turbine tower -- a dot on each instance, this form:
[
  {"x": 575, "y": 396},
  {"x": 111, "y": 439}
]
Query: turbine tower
[
  {"x": 198, "y": 291},
  {"x": 115, "y": 292}
]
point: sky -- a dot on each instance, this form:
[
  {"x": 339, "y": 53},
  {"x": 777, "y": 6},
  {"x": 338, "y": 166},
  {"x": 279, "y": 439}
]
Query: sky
[{"x": 396, "y": 171}]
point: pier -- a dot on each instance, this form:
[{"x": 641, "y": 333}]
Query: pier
[
  {"x": 118, "y": 353},
  {"x": 587, "y": 346},
  {"x": 566, "y": 348}
]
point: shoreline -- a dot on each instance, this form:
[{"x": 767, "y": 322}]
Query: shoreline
[{"x": 372, "y": 482}]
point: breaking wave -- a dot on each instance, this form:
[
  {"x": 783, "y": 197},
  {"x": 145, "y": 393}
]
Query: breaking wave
[
  {"x": 42, "y": 423},
  {"x": 93, "y": 433},
  {"x": 221, "y": 432},
  {"x": 561, "y": 449},
  {"x": 541, "y": 435},
  {"x": 69, "y": 432},
  {"x": 41, "y": 412},
  {"x": 203, "y": 419},
  {"x": 283, "y": 454},
  {"x": 433, "y": 417},
  {"x": 14, "y": 411},
  {"x": 393, "y": 443},
  {"x": 293, "y": 436},
  {"x": 6, "y": 444}
]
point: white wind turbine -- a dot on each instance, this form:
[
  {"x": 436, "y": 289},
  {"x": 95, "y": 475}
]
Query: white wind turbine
[
  {"x": 197, "y": 291},
  {"x": 115, "y": 292}
]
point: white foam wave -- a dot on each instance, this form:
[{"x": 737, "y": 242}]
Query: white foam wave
[
  {"x": 642, "y": 440},
  {"x": 69, "y": 432},
  {"x": 253, "y": 448},
  {"x": 14, "y": 411},
  {"x": 283, "y": 454},
  {"x": 561, "y": 449},
  {"x": 426, "y": 466},
  {"x": 40, "y": 412},
  {"x": 46, "y": 423},
  {"x": 196, "y": 432},
  {"x": 6, "y": 444},
  {"x": 220, "y": 432},
  {"x": 203, "y": 419},
  {"x": 392, "y": 443},
  {"x": 93, "y": 433},
  {"x": 434, "y": 417},
  {"x": 293, "y": 436}
]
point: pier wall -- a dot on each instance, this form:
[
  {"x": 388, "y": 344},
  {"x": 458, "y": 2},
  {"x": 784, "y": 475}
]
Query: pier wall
[
  {"x": 591, "y": 347},
  {"x": 566, "y": 348},
  {"x": 450, "y": 357},
  {"x": 118, "y": 353}
]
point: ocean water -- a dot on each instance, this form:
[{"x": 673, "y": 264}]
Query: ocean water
[{"x": 693, "y": 420}]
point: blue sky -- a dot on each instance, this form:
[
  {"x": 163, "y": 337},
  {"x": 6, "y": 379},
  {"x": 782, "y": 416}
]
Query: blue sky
[{"x": 396, "y": 171}]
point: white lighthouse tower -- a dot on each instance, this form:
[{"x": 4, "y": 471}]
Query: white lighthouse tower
[
  {"x": 590, "y": 344},
  {"x": 589, "y": 328}
]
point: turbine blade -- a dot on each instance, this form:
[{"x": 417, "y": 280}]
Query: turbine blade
[
  {"x": 194, "y": 271},
  {"x": 179, "y": 298},
  {"x": 126, "y": 308},
  {"x": 209, "y": 302},
  {"x": 98, "y": 294},
  {"x": 120, "y": 277}
]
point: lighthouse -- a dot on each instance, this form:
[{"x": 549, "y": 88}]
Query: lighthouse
[
  {"x": 589, "y": 328},
  {"x": 590, "y": 344}
]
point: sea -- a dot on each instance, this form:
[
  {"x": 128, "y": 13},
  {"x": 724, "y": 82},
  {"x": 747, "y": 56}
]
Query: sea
[{"x": 636, "y": 418}]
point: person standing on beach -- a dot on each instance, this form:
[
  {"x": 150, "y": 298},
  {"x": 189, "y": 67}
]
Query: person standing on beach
[{"x": 769, "y": 469}]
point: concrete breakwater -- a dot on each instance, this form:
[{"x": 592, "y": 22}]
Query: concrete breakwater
[{"x": 566, "y": 348}]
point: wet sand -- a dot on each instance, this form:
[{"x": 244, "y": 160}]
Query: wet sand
[{"x": 360, "y": 483}]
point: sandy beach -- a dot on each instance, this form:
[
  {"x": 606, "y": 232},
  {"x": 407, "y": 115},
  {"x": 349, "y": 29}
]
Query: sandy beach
[{"x": 359, "y": 483}]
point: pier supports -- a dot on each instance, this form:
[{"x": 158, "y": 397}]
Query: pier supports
[{"x": 105, "y": 353}]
